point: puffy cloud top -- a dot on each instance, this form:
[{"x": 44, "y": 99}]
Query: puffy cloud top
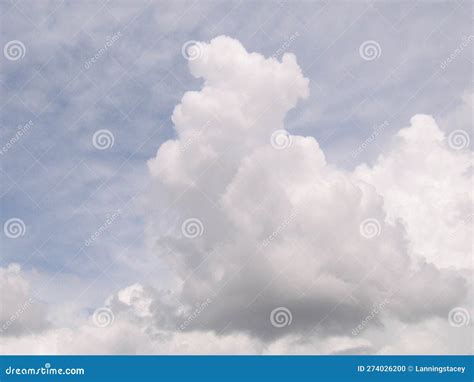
[
  {"x": 281, "y": 227},
  {"x": 427, "y": 184}
]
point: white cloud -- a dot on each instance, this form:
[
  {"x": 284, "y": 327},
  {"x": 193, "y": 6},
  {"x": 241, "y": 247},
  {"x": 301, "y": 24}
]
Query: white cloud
[
  {"x": 427, "y": 185},
  {"x": 132, "y": 333},
  {"x": 20, "y": 312},
  {"x": 282, "y": 228},
  {"x": 317, "y": 263}
]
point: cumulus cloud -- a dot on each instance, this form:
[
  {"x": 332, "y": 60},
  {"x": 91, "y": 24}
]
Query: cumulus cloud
[
  {"x": 275, "y": 227},
  {"x": 293, "y": 225},
  {"x": 20, "y": 312},
  {"x": 425, "y": 182}
]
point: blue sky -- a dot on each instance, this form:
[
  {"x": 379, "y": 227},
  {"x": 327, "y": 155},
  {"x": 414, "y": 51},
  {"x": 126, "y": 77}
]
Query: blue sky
[{"x": 63, "y": 188}]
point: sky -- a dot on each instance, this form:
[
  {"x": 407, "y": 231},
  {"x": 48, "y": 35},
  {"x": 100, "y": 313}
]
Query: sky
[{"x": 236, "y": 177}]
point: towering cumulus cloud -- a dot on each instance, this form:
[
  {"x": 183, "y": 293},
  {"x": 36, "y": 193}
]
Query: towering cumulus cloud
[
  {"x": 274, "y": 250},
  {"x": 280, "y": 228}
]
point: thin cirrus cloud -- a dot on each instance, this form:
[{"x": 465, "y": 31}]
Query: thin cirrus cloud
[{"x": 273, "y": 249}]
